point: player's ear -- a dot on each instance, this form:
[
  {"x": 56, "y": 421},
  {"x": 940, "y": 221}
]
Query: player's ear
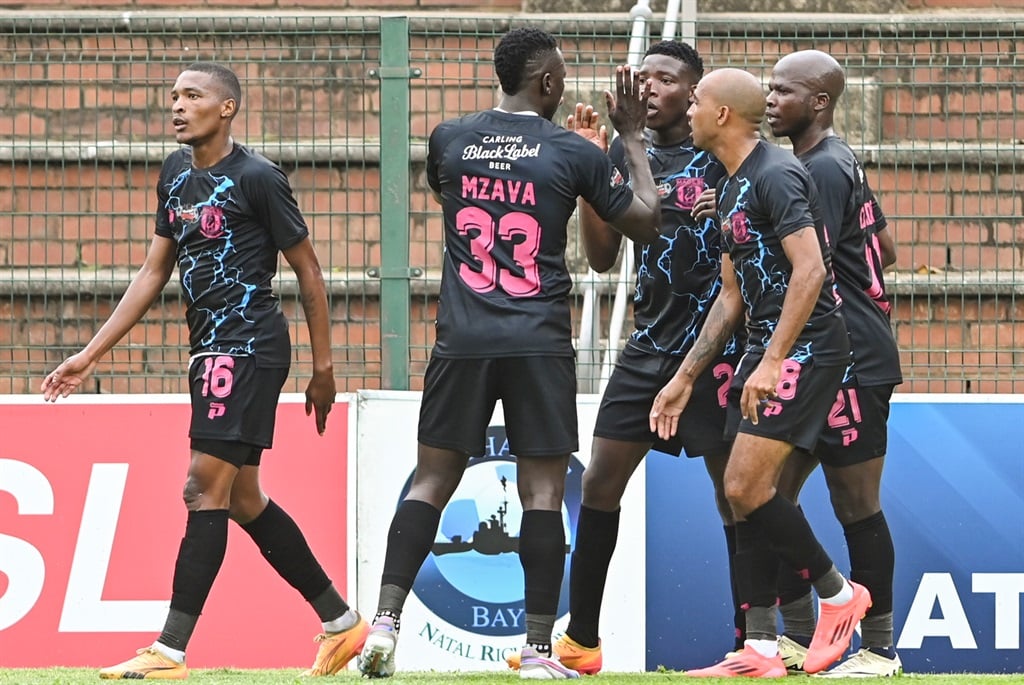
[
  {"x": 228, "y": 108},
  {"x": 546, "y": 83}
]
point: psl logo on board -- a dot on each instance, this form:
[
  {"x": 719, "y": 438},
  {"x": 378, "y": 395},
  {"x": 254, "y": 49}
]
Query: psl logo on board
[{"x": 472, "y": 580}]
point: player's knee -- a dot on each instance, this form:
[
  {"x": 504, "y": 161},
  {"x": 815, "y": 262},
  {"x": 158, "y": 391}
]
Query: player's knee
[
  {"x": 191, "y": 494},
  {"x": 742, "y": 496},
  {"x": 850, "y": 507},
  {"x": 602, "y": 491}
]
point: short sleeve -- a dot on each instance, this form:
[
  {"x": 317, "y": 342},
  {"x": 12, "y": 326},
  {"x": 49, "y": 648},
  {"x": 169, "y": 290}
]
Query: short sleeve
[
  {"x": 602, "y": 186},
  {"x": 436, "y": 144},
  {"x": 833, "y": 185},
  {"x": 164, "y": 221},
  {"x": 788, "y": 192},
  {"x": 270, "y": 194}
]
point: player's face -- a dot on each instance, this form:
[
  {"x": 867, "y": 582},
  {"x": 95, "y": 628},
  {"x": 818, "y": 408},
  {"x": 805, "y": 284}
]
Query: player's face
[
  {"x": 198, "y": 107},
  {"x": 672, "y": 83},
  {"x": 790, "y": 102},
  {"x": 702, "y": 115}
]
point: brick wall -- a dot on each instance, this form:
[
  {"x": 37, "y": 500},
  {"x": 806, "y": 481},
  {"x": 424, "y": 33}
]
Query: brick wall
[
  {"x": 463, "y": 5},
  {"x": 257, "y": 5},
  {"x": 934, "y": 119}
]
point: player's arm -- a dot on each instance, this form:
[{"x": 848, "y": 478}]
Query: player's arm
[
  {"x": 804, "y": 252},
  {"x": 138, "y": 296},
  {"x": 886, "y": 248},
  {"x": 724, "y": 317},
  {"x": 321, "y": 390},
  {"x": 628, "y": 111},
  {"x": 601, "y": 242}
]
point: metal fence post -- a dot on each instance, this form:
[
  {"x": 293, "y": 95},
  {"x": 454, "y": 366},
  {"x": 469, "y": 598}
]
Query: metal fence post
[{"x": 394, "y": 74}]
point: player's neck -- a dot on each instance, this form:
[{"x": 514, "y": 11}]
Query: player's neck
[
  {"x": 517, "y": 105},
  {"x": 810, "y": 137},
  {"x": 671, "y": 136},
  {"x": 733, "y": 156},
  {"x": 210, "y": 152}
]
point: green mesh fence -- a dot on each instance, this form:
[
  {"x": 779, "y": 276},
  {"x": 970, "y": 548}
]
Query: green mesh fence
[{"x": 931, "y": 107}]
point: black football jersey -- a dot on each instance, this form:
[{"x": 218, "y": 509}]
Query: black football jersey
[
  {"x": 229, "y": 223},
  {"x": 852, "y": 219},
  {"x": 508, "y": 185},
  {"x": 679, "y": 276},
  {"x": 770, "y": 196}
]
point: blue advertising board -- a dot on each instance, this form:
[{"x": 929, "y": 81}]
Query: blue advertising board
[{"x": 953, "y": 495}]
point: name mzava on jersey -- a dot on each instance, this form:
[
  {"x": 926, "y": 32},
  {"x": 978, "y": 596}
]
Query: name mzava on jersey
[{"x": 499, "y": 190}]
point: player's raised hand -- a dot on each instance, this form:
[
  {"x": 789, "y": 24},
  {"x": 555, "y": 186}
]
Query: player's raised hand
[
  {"x": 627, "y": 108},
  {"x": 585, "y": 123},
  {"x": 319, "y": 397},
  {"x": 67, "y": 377}
]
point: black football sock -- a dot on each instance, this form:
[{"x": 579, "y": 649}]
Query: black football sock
[
  {"x": 738, "y": 620},
  {"x": 542, "y": 554},
  {"x": 792, "y": 538},
  {"x": 872, "y": 564},
  {"x": 755, "y": 568},
  {"x": 596, "y": 535},
  {"x": 410, "y": 538},
  {"x": 200, "y": 556},
  {"x": 285, "y": 548}
]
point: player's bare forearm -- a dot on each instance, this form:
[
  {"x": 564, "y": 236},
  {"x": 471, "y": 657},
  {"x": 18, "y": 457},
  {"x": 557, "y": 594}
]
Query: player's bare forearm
[
  {"x": 313, "y": 293},
  {"x": 645, "y": 230},
  {"x": 601, "y": 242},
  {"x": 137, "y": 298},
  {"x": 805, "y": 283},
  {"x": 313, "y": 296},
  {"x": 722, "y": 320}
]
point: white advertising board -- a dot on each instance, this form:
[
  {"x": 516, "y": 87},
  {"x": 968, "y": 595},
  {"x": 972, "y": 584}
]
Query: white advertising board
[{"x": 466, "y": 608}]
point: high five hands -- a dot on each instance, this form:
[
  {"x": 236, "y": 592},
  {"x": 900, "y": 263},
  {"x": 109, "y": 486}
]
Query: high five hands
[
  {"x": 585, "y": 122},
  {"x": 627, "y": 108}
]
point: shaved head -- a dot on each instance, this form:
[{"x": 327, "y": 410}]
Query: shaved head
[
  {"x": 738, "y": 90},
  {"x": 818, "y": 70}
]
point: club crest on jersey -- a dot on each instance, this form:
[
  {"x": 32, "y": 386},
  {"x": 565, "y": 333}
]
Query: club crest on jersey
[
  {"x": 211, "y": 225},
  {"x": 738, "y": 225},
  {"x": 688, "y": 189}
]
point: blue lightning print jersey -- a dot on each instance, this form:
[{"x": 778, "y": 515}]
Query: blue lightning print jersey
[
  {"x": 769, "y": 197},
  {"x": 852, "y": 219},
  {"x": 229, "y": 223},
  {"x": 679, "y": 276}
]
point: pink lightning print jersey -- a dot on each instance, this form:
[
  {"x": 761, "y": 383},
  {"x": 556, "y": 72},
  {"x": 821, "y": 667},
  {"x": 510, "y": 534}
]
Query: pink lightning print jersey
[{"x": 508, "y": 185}]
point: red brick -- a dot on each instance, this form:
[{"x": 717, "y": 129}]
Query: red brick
[
  {"x": 954, "y": 232},
  {"x": 930, "y": 337},
  {"x": 911, "y": 257},
  {"x": 991, "y": 336},
  {"x": 994, "y": 386},
  {"x": 985, "y": 257}
]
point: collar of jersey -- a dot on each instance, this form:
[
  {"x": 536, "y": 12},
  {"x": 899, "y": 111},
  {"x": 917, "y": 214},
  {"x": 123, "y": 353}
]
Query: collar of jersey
[{"x": 524, "y": 112}]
